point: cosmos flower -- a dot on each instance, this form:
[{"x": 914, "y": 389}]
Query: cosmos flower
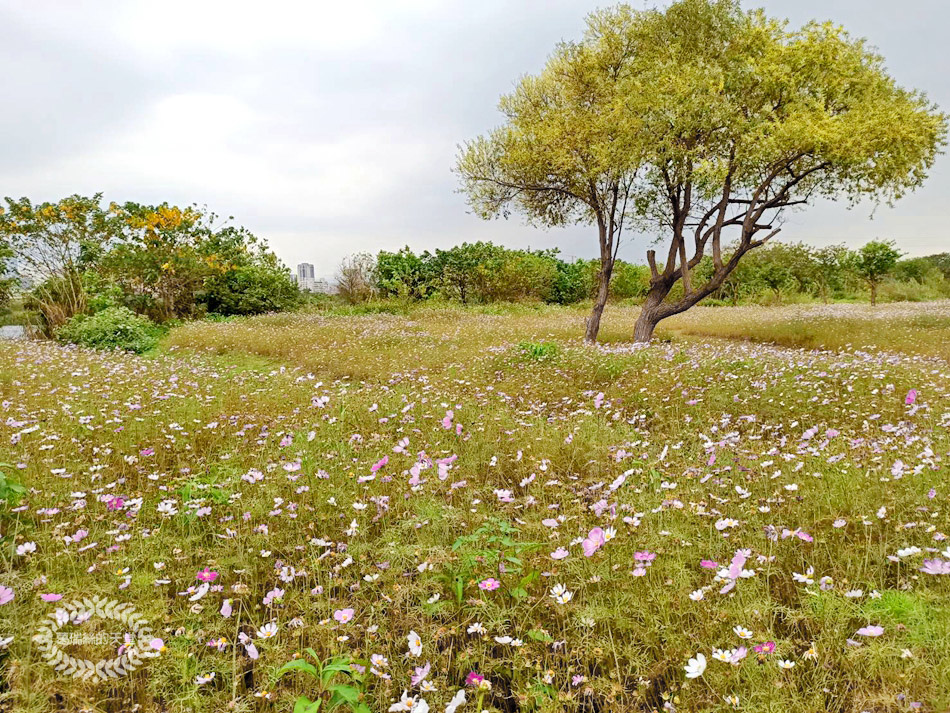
[
  {"x": 560, "y": 594},
  {"x": 936, "y": 566},
  {"x": 415, "y": 644},
  {"x": 267, "y": 631},
  {"x": 343, "y": 615},
  {"x": 409, "y": 704},
  {"x": 593, "y": 542},
  {"x": 695, "y": 666}
]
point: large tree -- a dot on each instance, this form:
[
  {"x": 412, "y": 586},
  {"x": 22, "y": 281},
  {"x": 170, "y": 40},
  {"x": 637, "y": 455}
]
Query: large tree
[
  {"x": 708, "y": 123},
  {"x": 565, "y": 153}
]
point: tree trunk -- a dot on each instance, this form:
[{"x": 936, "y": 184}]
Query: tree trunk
[
  {"x": 650, "y": 313},
  {"x": 873, "y": 293},
  {"x": 600, "y": 301}
]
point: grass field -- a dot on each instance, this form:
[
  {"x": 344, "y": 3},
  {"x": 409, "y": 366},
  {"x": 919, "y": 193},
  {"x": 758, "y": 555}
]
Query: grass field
[{"x": 447, "y": 500}]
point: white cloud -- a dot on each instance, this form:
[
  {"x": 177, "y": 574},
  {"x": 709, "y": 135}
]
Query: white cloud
[{"x": 330, "y": 128}]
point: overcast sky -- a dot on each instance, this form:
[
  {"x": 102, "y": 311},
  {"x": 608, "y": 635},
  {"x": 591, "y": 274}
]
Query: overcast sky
[{"x": 332, "y": 127}]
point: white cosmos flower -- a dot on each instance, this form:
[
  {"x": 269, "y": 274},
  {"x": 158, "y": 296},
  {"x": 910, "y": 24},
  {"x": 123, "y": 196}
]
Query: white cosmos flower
[
  {"x": 415, "y": 644},
  {"x": 696, "y": 666},
  {"x": 560, "y": 594},
  {"x": 410, "y": 704},
  {"x": 268, "y": 630},
  {"x": 457, "y": 700}
]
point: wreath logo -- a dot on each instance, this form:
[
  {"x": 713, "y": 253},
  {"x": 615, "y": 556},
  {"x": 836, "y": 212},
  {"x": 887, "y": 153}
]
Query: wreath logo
[{"x": 132, "y": 654}]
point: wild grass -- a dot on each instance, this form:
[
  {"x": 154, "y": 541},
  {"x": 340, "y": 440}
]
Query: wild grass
[
  {"x": 905, "y": 328},
  {"x": 279, "y": 447}
]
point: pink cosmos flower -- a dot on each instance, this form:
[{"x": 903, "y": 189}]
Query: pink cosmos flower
[
  {"x": 599, "y": 400},
  {"x": 490, "y": 584},
  {"x": 932, "y": 566},
  {"x": 447, "y": 421},
  {"x": 249, "y": 646},
  {"x": 870, "y": 631},
  {"x": 379, "y": 464},
  {"x": 343, "y": 615},
  {"x": 594, "y": 541},
  {"x": 911, "y": 397},
  {"x": 420, "y": 673},
  {"x": 708, "y": 564},
  {"x": 6, "y": 595},
  {"x": 766, "y": 648},
  {"x": 559, "y": 554},
  {"x": 51, "y": 597},
  {"x": 206, "y": 575},
  {"x": 473, "y": 679}
]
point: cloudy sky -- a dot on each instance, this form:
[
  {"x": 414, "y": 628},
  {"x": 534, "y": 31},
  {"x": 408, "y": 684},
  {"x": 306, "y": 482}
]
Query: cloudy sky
[{"x": 331, "y": 127}]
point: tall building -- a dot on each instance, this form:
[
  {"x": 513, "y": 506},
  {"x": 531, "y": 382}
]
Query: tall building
[{"x": 305, "y": 276}]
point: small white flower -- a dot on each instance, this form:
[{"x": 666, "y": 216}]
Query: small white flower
[
  {"x": 415, "y": 644},
  {"x": 696, "y": 666},
  {"x": 560, "y": 594},
  {"x": 267, "y": 631}
]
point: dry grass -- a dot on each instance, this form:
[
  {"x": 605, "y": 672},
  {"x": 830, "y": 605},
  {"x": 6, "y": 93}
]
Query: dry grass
[{"x": 907, "y": 328}]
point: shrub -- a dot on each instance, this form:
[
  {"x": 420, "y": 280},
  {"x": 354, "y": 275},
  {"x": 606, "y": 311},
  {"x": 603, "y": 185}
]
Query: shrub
[
  {"x": 112, "y": 328},
  {"x": 250, "y": 289}
]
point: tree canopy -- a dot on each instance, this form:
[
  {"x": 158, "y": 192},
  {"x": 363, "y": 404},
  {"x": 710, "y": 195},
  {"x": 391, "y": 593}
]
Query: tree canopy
[{"x": 703, "y": 123}]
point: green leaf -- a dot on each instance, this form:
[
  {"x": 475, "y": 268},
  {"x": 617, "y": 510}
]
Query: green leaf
[
  {"x": 298, "y": 665},
  {"x": 540, "y": 635},
  {"x": 305, "y": 705}
]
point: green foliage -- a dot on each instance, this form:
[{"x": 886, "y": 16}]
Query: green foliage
[
  {"x": 162, "y": 261},
  {"x": 10, "y": 490},
  {"x": 250, "y": 289},
  {"x": 483, "y": 272},
  {"x": 544, "y": 350},
  {"x": 405, "y": 274},
  {"x": 874, "y": 261},
  {"x": 54, "y": 244},
  {"x": 348, "y": 694},
  {"x": 112, "y": 328}
]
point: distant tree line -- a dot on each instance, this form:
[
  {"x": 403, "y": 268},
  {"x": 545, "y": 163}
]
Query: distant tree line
[
  {"x": 483, "y": 272},
  {"x": 78, "y": 257}
]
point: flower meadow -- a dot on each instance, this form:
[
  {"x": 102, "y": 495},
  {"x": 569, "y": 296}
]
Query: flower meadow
[{"x": 429, "y": 512}]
